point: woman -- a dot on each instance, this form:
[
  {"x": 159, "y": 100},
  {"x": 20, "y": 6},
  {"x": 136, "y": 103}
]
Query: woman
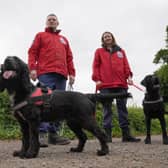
[{"x": 112, "y": 74}]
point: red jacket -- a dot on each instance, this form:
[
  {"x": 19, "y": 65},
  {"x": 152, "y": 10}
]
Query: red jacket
[
  {"x": 112, "y": 69},
  {"x": 50, "y": 52}
]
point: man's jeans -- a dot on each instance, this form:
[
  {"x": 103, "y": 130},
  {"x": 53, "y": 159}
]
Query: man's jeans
[{"x": 53, "y": 81}]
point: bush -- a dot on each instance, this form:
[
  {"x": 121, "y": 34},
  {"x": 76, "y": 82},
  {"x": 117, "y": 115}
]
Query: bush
[
  {"x": 9, "y": 128},
  {"x": 8, "y": 125}
]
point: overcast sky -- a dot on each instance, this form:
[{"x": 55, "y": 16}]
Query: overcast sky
[{"x": 139, "y": 27}]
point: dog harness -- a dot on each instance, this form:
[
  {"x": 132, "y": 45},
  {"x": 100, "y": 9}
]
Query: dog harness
[{"x": 39, "y": 97}]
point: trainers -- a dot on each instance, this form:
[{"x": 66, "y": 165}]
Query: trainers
[
  {"x": 43, "y": 139},
  {"x": 55, "y": 139}
]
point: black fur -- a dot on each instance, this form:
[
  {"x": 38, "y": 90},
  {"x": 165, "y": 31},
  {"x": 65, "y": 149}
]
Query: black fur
[
  {"x": 153, "y": 106},
  {"x": 74, "y": 107}
]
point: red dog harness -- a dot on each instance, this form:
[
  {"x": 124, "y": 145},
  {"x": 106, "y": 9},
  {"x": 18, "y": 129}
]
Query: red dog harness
[{"x": 39, "y": 92}]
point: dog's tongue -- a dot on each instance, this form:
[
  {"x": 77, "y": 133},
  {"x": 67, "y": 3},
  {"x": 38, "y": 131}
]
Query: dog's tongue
[{"x": 8, "y": 74}]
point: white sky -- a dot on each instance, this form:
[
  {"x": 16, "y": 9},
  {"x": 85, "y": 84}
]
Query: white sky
[{"x": 138, "y": 26}]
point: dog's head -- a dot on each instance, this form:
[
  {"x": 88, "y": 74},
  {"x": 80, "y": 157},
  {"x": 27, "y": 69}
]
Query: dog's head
[
  {"x": 15, "y": 74},
  {"x": 151, "y": 82}
]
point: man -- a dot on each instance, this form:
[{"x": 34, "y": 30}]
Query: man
[
  {"x": 112, "y": 73},
  {"x": 33, "y": 78},
  {"x": 51, "y": 57}
]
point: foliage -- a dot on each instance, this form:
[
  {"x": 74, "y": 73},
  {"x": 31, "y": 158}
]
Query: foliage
[
  {"x": 9, "y": 128},
  {"x": 162, "y": 57},
  {"x": 8, "y": 125},
  {"x": 162, "y": 73}
]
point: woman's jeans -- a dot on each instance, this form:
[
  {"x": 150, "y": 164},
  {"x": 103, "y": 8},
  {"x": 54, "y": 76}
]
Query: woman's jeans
[
  {"x": 53, "y": 81},
  {"x": 121, "y": 108}
]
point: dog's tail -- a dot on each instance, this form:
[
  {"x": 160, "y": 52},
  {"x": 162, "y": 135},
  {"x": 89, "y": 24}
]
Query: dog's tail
[
  {"x": 166, "y": 112},
  {"x": 106, "y": 97}
]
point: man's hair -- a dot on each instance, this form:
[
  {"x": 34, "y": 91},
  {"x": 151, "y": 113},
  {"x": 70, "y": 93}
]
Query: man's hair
[{"x": 52, "y": 14}]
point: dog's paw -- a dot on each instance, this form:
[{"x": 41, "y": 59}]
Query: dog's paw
[
  {"x": 147, "y": 141},
  {"x": 102, "y": 152},
  {"x": 76, "y": 150},
  {"x": 30, "y": 155},
  {"x": 165, "y": 141},
  {"x": 19, "y": 153}
]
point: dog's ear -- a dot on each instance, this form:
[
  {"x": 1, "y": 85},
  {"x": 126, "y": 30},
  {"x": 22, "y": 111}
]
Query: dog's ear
[
  {"x": 1, "y": 68},
  {"x": 24, "y": 74},
  {"x": 143, "y": 82},
  {"x": 157, "y": 81},
  {"x": 2, "y": 84}
]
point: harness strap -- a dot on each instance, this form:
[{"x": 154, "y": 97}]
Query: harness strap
[
  {"x": 31, "y": 100},
  {"x": 20, "y": 105}
]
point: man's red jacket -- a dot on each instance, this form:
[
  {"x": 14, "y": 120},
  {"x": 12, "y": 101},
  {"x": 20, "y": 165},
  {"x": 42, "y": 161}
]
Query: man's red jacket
[{"x": 50, "y": 52}]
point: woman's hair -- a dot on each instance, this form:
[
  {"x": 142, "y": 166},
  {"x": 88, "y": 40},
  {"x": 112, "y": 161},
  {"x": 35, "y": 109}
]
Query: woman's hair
[{"x": 102, "y": 40}]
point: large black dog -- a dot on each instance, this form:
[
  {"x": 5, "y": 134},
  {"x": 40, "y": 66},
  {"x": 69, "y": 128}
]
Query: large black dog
[
  {"x": 76, "y": 108},
  {"x": 153, "y": 106}
]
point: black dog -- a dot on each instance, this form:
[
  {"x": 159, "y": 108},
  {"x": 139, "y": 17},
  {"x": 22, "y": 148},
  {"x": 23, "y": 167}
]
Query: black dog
[
  {"x": 153, "y": 106},
  {"x": 76, "y": 108}
]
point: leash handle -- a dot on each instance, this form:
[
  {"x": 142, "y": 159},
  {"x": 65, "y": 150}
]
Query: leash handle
[{"x": 70, "y": 87}]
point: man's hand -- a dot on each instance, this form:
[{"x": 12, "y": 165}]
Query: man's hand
[
  {"x": 130, "y": 81},
  {"x": 98, "y": 83},
  {"x": 71, "y": 79}
]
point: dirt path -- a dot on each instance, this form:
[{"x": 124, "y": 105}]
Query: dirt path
[{"x": 122, "y": 155}]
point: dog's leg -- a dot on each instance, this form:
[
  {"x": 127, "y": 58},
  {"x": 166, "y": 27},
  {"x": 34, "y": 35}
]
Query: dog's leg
[
  {"x": 148, "y": 130},
  {"x": 76, "y": 128},
  {"x": 25, "y": 139},
  {"x": 164, "y": 133},
  {"x": 34, "y": 141},
  {"x": 101, "y": 136}
]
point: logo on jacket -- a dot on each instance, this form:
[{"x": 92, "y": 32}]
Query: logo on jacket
[
  {"x": 62, "y": 40},
  {"x": 119, "y": 54}
]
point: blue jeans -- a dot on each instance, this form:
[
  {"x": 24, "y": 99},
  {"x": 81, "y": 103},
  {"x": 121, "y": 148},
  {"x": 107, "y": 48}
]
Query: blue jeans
[
  {"x": 121, "y": 109},
  {"x": 53, "y": 81}
]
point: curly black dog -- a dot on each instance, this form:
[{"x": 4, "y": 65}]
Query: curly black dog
[
  {"x": 153, "y": 106},
  {"x": 76, "y": 108}
]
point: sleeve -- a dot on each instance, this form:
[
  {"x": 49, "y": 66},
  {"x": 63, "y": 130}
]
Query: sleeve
[
  {"x": 33, "y": 53},
  {"x": 96, "y": 67},
  {"x": 70, "y": 64},
  {"x": 127, "y": 68}
]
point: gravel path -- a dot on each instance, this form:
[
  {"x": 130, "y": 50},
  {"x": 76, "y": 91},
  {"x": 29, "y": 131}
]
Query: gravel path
[{"x": 122, "y": 155}]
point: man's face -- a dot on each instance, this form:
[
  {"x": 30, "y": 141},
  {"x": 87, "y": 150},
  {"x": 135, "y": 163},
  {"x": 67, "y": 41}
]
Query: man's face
[
  {"x": 33, "y": 75},
  {"x": 52, "y": 22},
  {"x": 107, "y": 38}
]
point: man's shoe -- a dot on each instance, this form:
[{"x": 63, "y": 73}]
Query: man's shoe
[
  {"x": 43, "y": 139},
  {"x": 55, "y": 139}
]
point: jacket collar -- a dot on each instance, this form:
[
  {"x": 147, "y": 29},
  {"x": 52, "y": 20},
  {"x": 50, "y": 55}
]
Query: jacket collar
[
  {"x": 50, "y": 30},
  {"x": 115, "y": 48}
]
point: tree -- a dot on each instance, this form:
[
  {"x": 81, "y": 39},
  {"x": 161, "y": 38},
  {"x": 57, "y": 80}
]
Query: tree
[{"x": 161, "y": 57}]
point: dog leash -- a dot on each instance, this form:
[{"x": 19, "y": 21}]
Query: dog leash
[
  {"x": 70, "y": 87},
  {"x": 136, "y": 86}
]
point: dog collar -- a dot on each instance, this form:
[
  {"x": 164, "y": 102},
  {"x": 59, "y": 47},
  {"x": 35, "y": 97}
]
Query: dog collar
[{"x": 154, "y": 101}]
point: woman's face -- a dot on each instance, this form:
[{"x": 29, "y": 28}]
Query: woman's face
[{"x": 107, "y": 39}]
